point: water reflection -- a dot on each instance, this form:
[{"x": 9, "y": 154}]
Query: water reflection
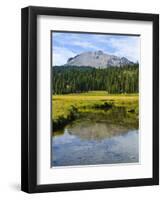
[
  {"x": 95, "y": 130},
  {"x": 106, "y": 138},
  {"x": 70, "y": 150}
]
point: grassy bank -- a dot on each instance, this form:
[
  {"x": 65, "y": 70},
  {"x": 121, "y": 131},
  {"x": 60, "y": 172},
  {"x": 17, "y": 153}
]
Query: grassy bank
[{"x": 66, "y": 108}]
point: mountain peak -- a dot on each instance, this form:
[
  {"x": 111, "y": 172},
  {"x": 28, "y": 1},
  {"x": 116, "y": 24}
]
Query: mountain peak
[
  {"x": 99, "y": 52},
  {"x": 97, "y": 59}
]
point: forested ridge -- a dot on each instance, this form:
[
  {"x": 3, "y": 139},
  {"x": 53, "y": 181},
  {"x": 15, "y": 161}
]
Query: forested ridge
[{"x": 115, "y": 80}]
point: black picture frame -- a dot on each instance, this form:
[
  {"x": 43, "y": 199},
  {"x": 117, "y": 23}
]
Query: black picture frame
[{"x": 29, "y": 99}]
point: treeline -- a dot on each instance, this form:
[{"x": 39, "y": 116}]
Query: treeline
[{"x": 71, "y": 79}]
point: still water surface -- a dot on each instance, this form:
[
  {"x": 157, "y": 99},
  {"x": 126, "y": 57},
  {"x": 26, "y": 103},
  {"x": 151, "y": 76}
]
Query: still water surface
[{"x": 86, "y": 142}]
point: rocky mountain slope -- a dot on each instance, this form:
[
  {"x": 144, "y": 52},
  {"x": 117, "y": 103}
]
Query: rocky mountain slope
[{"x": 97, "y": 59}]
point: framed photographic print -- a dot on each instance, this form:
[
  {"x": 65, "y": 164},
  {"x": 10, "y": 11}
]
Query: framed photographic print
[{"x": 90, "y": 99}]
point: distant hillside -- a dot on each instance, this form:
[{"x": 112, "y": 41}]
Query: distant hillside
[{"x": 98, "y": 59}]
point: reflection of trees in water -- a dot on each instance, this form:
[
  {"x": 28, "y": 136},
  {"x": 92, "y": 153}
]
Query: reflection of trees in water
[
  {"x": 116, "y": 115},
  {"x": 102, "y": 124}
]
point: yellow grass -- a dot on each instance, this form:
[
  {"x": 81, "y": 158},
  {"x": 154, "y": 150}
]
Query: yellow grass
[{"x": 61, "y": 104}]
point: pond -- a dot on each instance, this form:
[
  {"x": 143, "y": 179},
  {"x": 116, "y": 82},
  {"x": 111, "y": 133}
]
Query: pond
[{"x": 97, "y": 139}]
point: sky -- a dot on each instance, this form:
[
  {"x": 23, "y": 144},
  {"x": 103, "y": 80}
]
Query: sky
[{"x": 67, "y": 44}]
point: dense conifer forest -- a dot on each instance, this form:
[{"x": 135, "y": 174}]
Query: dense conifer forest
[{"x": 114, "y": 80}]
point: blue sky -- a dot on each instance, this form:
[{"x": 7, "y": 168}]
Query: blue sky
[{"x": 66, "y": 45}]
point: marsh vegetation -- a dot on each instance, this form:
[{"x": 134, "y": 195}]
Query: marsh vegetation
[{"x": 67, "y": 108}]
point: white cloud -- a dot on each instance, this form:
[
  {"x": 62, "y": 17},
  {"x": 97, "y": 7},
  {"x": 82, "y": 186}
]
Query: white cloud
[
  {"x": 129, "y": 48},
  {"x": 84, "y": 44},
  {"x": 60, "y": 55},
  {"x": 77, "y": 41}
]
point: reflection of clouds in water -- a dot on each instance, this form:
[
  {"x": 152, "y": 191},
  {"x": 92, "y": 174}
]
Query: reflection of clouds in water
[
  {"x": 64, "y": 139},
  {"x": 127, "y": 144},
  {"x": 70, "y": 150},
  {"x": 130, "y": 141}
]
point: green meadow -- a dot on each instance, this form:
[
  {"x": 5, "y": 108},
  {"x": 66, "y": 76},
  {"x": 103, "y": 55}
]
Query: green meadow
[{"x": 69, "y": 107}]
